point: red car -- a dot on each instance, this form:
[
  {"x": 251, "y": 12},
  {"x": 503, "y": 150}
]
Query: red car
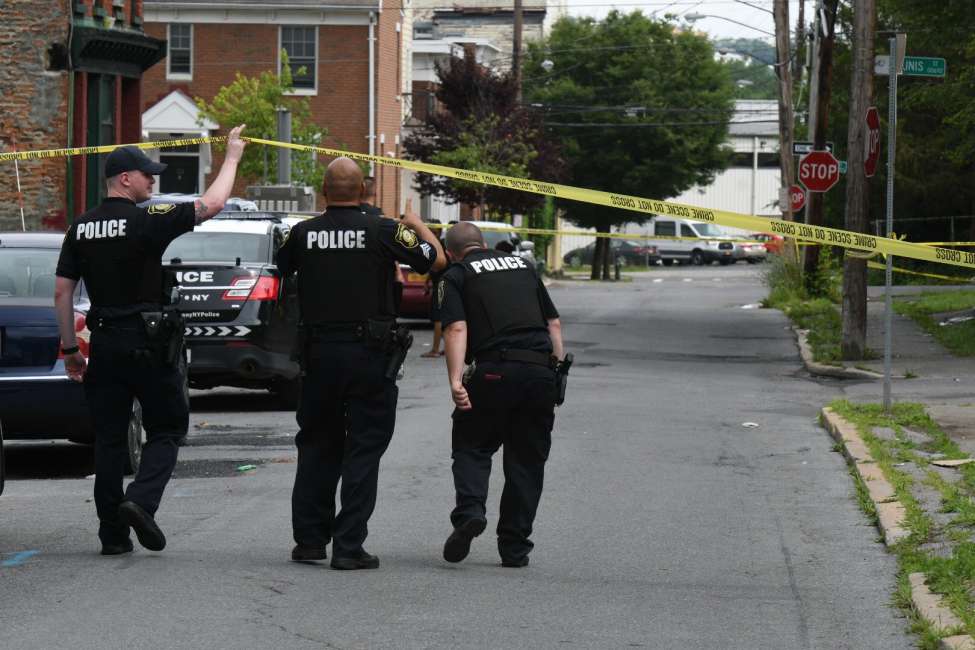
[
  {"x": 416, "y": 294},
  {"x": 773, "y": 243}
]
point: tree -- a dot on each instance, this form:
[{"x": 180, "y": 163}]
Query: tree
[
  {"x": 481, "y": 126},
  {"x": 751, "y": 64},
  {"x": 254, "y": 101},
  {"x": 641, "y": 108}
]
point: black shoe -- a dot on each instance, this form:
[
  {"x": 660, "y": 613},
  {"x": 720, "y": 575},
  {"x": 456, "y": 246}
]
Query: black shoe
[
  {"x": 149, "y": 534},
  {"x": 117, "y": 549},
  {"x": 308, "y": 553},
  {"x": 515, "y": 563},
  {"x": 361, "y": 561},
  {"x": 458, "y": 545}
]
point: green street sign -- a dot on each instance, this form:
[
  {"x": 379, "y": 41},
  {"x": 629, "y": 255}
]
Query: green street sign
[
  {"x": 924, "y": 66},
  {"x": 842, "y": 166}
]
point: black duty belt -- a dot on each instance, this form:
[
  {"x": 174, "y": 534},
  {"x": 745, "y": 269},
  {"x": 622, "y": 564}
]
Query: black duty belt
[
  {"x": 130, "y": 323},
  {"x": 333, "y": 333},
  {"x": 524, "y": 356}
]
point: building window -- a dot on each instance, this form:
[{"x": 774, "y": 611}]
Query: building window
[
  {"x": 301, "y": 44},
  {"x": 180, "y": 53}
]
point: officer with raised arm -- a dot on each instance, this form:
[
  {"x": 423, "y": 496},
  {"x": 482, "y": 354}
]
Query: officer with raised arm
[
  {"x": 351, "y": 348},
  {"x": 498, "y": 317},
  {"x": 136, "y": 344}
]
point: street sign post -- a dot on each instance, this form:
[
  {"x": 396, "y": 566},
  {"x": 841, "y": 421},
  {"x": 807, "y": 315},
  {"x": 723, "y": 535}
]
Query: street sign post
[
  {"x": 802, "y": 148},
  {"x": 819, "y": 171},
  {"x": 871, "y": 143},
  {"x": 797, "y": 196},
  {"x": 914, "y": 66}
]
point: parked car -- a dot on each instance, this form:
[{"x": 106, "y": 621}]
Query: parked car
[
  {"x": 233, "y": 204},
  {"x": 37, "y": 400},
  {"x": 700, "y": 242},
  {"x": 773, "y": 243},
  {"x": 629, "y": 252},
  {"x": 751, "y": 252},
  {"x": 241, "y": 318},
  {"x": 417, "y": 294}
]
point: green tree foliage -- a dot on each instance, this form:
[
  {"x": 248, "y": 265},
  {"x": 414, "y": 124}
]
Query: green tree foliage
[
  {"x": 253, "y": 101},
  {"x": 640, "y": 107},
  {"x": 750, "y": 62},
  {"x": 481, "y": 126},
  {"x": 936, "y": 120}
]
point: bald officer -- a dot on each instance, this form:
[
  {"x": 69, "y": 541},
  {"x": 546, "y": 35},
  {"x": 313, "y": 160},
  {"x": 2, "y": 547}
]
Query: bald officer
[{"x": 344, "y": 259}]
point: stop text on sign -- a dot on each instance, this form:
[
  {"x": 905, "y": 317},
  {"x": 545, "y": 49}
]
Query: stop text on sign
[{"x": 819, "y": 171}]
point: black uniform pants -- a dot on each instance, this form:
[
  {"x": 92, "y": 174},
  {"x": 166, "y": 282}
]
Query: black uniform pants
[
  {"x": 513, "y": 404},
  {"x": 345, "y": 417},
  {"x": 117, "y": 374}
]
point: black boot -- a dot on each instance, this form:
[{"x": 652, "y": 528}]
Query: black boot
[
  {"x": 149, "y": 534},
  {"x": 361, "y": 561},
  {"x": 458, "y": 545}
]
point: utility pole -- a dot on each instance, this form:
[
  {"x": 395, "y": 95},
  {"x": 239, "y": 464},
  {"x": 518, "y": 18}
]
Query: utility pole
[
  {"x": 818, "y": 118},
  {"x": 516, "y": 50},
  {"x": 854, "y": 342},
  {"x": 780, "y": 12}
]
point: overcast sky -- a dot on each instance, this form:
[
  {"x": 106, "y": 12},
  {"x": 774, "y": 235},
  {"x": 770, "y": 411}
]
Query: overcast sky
[{"x": 758, "y": 16}]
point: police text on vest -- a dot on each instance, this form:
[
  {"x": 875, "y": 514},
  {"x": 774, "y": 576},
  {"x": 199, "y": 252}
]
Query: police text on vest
[
  {"x": 498, "y": 264},
  {"x": 336, "y": 239},
  {"x": 102, "y": 229}
]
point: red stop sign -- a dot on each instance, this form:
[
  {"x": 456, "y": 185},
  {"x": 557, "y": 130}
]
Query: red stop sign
[
  {"x": 797, "y": 196},
  {"x": 819, "y": 171},
  {"x": 871, "y": 143}
]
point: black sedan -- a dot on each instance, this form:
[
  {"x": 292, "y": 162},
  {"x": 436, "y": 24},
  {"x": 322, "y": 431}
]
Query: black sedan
[
  {"x": 37, "y": 400},
  {"x": 628, "y": 251}
]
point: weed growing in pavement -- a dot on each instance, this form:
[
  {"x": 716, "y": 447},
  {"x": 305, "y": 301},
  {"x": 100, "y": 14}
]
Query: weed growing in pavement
[
  {"x": 788, "y": 293},
  {"x": 952, "y": 577},
  {"x": 958, "y": 338}
]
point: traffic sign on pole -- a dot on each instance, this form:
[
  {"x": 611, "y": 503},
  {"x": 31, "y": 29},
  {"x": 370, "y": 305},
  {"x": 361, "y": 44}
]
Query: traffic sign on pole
[
  {"x": 802, "y": 148},
  {"x": 914, "y": 66},
  {"x": 819, "y": 171},
  {"x": 797, "y": 196},
  {"x": 871, "y": 142}
]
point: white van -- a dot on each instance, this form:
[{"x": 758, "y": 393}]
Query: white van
[{"x": 702, "y": 243}]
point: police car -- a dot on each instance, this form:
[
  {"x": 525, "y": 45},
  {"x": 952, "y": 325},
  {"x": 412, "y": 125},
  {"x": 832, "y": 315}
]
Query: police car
[{"x": 241, "y": 318}]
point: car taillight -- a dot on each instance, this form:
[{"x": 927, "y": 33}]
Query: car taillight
[
  {"x": 82, "y": 335},
  {"x": 264, "y": 287}
]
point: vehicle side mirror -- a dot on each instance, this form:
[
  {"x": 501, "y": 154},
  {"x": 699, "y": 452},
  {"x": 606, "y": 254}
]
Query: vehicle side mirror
[{"x": 527, "y": 246}]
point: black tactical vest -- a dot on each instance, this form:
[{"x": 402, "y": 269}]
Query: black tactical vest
[
  {"x": 343, "y": 276},
  {"x": 500, "y": 297}
]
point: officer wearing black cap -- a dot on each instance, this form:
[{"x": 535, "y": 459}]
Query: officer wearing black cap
[
  {"x": 344, "y": 261},
  {"x": 498, "y": 317},
  {"x": 116, "y": 248}
]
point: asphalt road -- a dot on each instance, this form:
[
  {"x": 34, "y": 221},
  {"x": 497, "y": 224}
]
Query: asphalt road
[{"x": 665, "y": 522}]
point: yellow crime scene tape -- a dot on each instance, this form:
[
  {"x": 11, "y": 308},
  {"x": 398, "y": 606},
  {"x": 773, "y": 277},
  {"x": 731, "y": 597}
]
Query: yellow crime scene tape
[
  {"x": 803, "y": 232},
  {"x": 883, "y": 267}
]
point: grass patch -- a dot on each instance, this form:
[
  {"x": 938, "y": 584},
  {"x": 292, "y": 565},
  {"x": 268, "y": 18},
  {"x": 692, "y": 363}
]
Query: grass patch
[
  {"x": 960, "y": 338},
  {"x": 952, "y": 577},
  {"x": 820, "y": 314}
]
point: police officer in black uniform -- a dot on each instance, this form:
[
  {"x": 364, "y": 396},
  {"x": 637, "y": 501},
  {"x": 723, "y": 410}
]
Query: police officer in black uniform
[
  {"x": 344, "y": 260},
  {"x": 497, "y": 315},
  {"x": 116, "y": 248}
]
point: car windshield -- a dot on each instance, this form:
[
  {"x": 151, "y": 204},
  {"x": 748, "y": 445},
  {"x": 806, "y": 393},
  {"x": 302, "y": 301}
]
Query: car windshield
[
  {"x": 708, "y": 230},
  {"x": 492, "y": 238},
  {"x": 218, "y": 247},
  {"x": 27, "y": 272}
]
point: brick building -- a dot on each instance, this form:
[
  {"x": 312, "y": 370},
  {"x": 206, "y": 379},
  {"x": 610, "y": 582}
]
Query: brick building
[
  {"x": 344, "y": 44},
  {"x": 71, "y": 79}
]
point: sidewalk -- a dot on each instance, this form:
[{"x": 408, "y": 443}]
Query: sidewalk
[{"x": 944, "y": 383}]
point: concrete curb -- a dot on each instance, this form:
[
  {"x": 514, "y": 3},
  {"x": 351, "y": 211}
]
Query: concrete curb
[
  {"x": 890, "y": 515},
  {"x": 890, "y": 512},
  {"x": 960, "y": 642},
  {"x": 825, "y": 370},
  {"x": 929, "y": 606}
]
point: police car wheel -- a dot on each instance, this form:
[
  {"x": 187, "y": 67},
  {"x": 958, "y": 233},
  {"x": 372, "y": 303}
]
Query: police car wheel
[{"x": 135, "y": 439}]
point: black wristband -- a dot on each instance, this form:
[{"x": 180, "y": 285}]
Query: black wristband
[{"x": 70, "y": 350}]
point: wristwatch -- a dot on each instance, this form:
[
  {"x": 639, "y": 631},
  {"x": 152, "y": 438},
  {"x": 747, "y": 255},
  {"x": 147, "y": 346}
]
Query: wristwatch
[{"x": 71, "y": 350}]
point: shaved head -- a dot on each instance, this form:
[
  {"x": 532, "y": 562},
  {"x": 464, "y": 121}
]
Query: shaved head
[
  {"x": 343, "y": 182},
  {"x": 464, "y": 237}
]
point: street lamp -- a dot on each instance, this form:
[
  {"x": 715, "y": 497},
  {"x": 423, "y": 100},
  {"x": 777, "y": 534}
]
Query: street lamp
[{"x": 694, "y": 17}]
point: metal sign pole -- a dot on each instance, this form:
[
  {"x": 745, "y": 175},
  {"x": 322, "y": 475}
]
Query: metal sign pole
[{"x": 891, "y": 154}]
